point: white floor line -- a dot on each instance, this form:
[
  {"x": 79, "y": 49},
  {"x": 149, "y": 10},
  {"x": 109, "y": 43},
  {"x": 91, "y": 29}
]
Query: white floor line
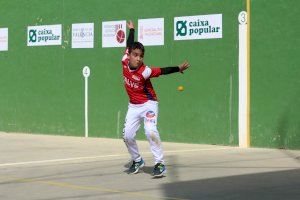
[{"x": 104, "y": 156}]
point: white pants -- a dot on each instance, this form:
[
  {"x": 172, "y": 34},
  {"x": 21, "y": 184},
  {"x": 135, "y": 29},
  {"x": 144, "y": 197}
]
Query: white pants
[{"x": 148, "y": 112}]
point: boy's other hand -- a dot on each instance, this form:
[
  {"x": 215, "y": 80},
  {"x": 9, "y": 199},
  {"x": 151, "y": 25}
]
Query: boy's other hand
[
  {"x": 184, "y": 66},
  {"x": 130, "y": 25}
]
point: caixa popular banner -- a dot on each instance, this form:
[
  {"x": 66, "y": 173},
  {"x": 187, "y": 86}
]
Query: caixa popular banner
[
  {"x": 44, "y": 35},
  {"x": 198, "y": 27}
]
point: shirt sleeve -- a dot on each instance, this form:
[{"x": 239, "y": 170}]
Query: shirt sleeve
[
  {"x": 169, "y": 70},
  {"x": 151, "y": 72},
  {"x": 129, "y": 42},
  {"x": 130, "y": 39}
]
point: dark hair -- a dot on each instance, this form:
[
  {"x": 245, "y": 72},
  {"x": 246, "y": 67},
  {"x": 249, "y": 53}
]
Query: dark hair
[{"x": 137, "y": 45}]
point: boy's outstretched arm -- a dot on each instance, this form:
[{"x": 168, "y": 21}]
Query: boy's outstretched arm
[
  {"x": 180, "y": 68},
  {"x": 130, "y": 39}
]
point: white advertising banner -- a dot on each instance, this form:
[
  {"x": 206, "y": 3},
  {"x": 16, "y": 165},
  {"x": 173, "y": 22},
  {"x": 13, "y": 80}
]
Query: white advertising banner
[
  {"x": 151, "y": 31},
  {"x": 3, "y": 39},
  {"x": 198, "y": 27},
  {"x": 83, "y": 35},
  {"x": 44, "y": 35},
  {"x": 114, "y": 34}
]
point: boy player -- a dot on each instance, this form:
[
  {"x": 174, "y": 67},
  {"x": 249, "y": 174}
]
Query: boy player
[{"x": 143, "y": 103}]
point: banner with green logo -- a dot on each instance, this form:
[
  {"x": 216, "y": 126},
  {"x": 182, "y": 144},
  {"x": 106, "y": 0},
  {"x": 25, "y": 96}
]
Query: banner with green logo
[
  {"x": 44, "y": 35},
  {"x": 198, "y": 27}
]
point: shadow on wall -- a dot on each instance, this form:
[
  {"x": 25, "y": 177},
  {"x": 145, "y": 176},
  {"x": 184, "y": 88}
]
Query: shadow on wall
[
  {"x": 265, "y": 186},
  {"x": 288, "y": 124},
  {"x": 282, "y": 129}
]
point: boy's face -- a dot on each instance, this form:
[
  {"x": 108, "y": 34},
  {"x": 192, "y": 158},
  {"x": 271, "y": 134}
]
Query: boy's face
[{"x": 136, "y": 58}]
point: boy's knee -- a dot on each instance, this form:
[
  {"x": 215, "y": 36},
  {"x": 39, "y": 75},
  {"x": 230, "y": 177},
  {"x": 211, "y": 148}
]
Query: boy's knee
[
  {"x": 150, "y": 129},
  {"x": 153, "y": 136}
]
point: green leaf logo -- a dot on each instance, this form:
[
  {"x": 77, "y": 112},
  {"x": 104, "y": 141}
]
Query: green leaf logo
[
  {"x": 181, "y": 28},
  {"x": 32, "y": 36}
]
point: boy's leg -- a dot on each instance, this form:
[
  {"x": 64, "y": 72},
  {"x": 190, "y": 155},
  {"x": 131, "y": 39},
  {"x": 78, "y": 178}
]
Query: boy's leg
[
  {"x": 131, "y": 126},
  {"x": 150, "y": 124}
]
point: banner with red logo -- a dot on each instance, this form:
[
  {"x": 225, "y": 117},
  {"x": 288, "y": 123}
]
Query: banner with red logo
[{"x": 114, "y": 34}]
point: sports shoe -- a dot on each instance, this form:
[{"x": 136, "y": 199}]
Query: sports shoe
[
  {"x": 159, "y": 170},
  {"x": 135, "y": 167}
]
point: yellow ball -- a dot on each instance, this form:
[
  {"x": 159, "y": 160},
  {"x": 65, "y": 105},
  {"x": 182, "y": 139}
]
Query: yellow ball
[{"x": 180, "y": 88}]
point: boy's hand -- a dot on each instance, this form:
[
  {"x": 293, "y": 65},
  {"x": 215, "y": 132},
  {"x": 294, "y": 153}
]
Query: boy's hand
[
  {"x": 184, "y": 66},
  {"x": 130, "y": 25}
]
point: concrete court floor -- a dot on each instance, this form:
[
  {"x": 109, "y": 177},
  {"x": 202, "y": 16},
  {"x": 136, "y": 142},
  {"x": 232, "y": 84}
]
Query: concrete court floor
[{"x": 40, "y": 167}]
